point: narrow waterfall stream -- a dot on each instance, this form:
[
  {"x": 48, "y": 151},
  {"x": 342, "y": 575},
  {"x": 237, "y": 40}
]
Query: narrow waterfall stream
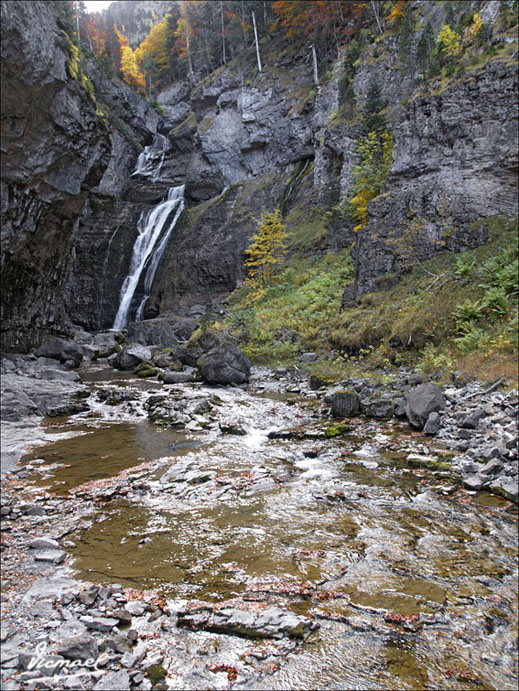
[
  {"x": 149, "y": 162},
  {"x": 147, "y": 251}
]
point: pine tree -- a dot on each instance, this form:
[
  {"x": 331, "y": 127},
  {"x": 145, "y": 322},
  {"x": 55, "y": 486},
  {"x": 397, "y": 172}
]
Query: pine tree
[
  {"x": 406, "y": 39},
  {"x": 373, "y": 119},
  {"x": 267, "y": 248},
  {"x": 424, "y": 48}
]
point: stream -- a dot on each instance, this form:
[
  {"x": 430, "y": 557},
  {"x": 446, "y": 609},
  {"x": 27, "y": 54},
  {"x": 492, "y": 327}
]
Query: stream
[{"x": 411, "y": 580}]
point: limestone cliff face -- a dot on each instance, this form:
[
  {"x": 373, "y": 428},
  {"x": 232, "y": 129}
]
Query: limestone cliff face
[
  {"x": 54, "y": 150},
  {"x": 239, "y": 144},
  {"x": 455, "y": 164}
]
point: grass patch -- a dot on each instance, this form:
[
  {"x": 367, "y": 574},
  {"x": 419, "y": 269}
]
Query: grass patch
[
  {"x": 453, "y": 312},
  {"x": 291, "y": 315}
]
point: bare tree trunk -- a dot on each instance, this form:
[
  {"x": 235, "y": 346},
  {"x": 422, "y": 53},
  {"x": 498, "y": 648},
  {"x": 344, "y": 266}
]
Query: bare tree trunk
[
  {"x": 257, "y": 43},
  {"x": 76, "y": 6},
  {"x": 243, "y": 22},
  {"x": 189, "y": 63},
  {"x": 374, "y": 7},
  {"x": 223, "y": 34},
  {"x": 316, "y": 72}
]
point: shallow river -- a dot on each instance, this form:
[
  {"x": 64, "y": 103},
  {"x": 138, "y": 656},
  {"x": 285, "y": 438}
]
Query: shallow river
[{"x": 246, "y": 513}]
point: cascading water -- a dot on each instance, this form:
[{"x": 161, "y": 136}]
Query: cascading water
[
  {"x": 148, "y": 249},
  {"x": 150, "y": 161}
]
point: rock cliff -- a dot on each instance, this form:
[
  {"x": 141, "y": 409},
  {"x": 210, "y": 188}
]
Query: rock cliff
[
  {"x": 239, "y": 142},
  {"x": 54, "y": 151}
]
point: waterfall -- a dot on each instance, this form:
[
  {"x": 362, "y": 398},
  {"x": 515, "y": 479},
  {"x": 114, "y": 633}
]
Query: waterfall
[
  {"x": 150, "y": 161},
  {"x": 147, "y": 250}
]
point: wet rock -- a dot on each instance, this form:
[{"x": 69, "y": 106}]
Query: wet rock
[
  {"x": 113, "y": 681},
  {"x": 224, "y": 365},
  {"x": 82, "y": 647},
  {"x": 381, "y": 408},
  {"x": 421, "y": 402},
  {"x": 116, "y": 396},
  {"x": 506, "y": 487},
  {"x": 55, "y": 556},
  {"x": 60, "y": 349},
  {"x": 476, "y": 481},
  {"x": 344, "y": 403},
  {"x": 43, "y": 543},
  {"x": 274, "y": 622},
  {"x": 179, "y": 377},
  {"x": 433, "y": 424},
  {"x": 129, "y": 358}
]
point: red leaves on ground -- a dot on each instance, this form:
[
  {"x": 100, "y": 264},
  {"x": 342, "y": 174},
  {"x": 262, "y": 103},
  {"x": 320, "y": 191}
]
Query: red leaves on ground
[
  {"x": 232, "y": 672},
  {"x": 462, "y": 674}
]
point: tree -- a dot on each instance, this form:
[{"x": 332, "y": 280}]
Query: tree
[
  {"x": 424, "y": 48},
  {"x": 129, "y": 67},
  {"x": 373, "y": 119},
  {"x": 267, "y": 248},
  {"x": 152, "y": 55},
  {"x": 449, "y": 41}
]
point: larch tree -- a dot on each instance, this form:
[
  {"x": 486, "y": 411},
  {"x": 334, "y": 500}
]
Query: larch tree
[{"x": 267, "y": 248}]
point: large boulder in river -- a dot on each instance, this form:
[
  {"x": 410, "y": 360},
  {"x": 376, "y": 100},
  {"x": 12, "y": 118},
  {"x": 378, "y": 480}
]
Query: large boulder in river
[
  {"x": 421, "y": 402},
  {"x": 129, "y": 358},
  {"x": 344, "y": 403},
  {"x": 61, "y": 349},
  {"x": 166, "y": 331},
  {"x": 225, "y": 364}
]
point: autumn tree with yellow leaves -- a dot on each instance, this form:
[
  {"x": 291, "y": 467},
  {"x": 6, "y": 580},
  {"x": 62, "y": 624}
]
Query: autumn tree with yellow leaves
[{"x": 267, "y": 249}]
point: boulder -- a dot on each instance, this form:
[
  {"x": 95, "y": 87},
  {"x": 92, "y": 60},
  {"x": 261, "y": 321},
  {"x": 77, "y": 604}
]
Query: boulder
[
  {"x": 61, "y": 349},
  {"x": 421, "y": 402},
  {"x": 344, "y": 403},
  {"x": 82, "y": 647},
  {"x": 105, "y": 343},
  {"x": 381, "y": 408},
  {"x": 129, "y": 358},
  {"x": 433, "y": 424},
  {"x": 165, "y": 331},
  {"x": 179, "y": 377},
  {"x": 225, "y": 364}
]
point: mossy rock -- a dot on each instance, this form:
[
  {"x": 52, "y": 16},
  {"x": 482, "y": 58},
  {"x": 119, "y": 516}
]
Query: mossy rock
[
  {"x": 319, "y": 380},
  {"x": 147, "y": 372},
  {"x": 337, "y": 430},
  {"x": 156, "y": 674}
]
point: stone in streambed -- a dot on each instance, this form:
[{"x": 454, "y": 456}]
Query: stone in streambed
[
  {"x": 421, "y": 402},
  {"x": 55, "y": 556},
  {"x": 43, "y": 543},
  {"x": 82, "y": 647},
  {"x": 224, "y": 365},
  {"x": 344, "y": 403},
  {"x": 113, "y": 681},
  {"x": 129, "y": 358}
]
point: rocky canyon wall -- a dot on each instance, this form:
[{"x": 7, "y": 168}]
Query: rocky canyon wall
[{"x": 54, "y": 151}]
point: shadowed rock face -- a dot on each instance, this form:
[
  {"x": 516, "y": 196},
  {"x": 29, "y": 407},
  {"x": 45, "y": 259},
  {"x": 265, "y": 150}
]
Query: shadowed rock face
[{"x": 54, "y": 150}]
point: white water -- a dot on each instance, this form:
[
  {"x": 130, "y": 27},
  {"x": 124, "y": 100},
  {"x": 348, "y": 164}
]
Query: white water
[
  {"x": 149, "y": 163},
  {"x": 149, "y": 245}
]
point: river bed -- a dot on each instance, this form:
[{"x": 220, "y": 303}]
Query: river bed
[{"x": 410, "y": 580}]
